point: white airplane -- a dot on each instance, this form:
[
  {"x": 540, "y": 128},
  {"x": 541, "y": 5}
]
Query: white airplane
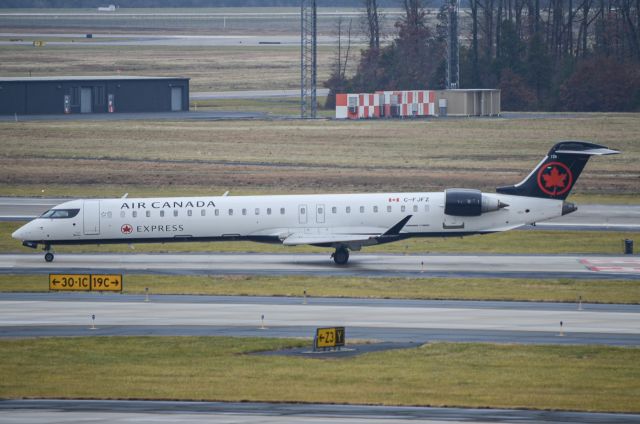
[{"x": 343, "y": 222}]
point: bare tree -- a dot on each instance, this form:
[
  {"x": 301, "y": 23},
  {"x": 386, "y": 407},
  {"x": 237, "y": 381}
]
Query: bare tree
[{"x": 372, "y": 24}]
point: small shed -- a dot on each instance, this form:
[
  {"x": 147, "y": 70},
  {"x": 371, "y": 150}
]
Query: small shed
[{"x": 88, "y": 94}]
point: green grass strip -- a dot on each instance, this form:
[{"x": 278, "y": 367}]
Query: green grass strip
[
  {"x": 584, "y": 378},
  {"x": 543, "y": 290}
]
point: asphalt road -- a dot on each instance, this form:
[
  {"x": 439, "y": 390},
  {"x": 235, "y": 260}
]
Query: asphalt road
[
  {"x": 360, "y": 264},
  {"x": 117, "y": 411}
]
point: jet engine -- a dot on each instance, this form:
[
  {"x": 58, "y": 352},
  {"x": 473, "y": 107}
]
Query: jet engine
[{"x": 468, "y": 202}]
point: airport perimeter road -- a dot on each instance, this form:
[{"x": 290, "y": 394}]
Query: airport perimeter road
[
  {"x": 360, "y": 264},
  {"x": 118, "y": 411},
  {"x": 66, "y": 314}
]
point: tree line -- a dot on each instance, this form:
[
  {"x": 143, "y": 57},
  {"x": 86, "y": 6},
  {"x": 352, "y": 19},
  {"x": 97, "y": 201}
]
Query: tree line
[
  {"x": 80, "y": 4},
  {"x": 578, "y": 55}
]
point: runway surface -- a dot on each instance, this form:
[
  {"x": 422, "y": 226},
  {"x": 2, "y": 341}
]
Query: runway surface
[
  {"x": 360, "y": 264},
  {"x": 587, "y": 217},
  {"x": 147, "y": 40},
  {"x": 386, "y": 320},
  {"x": 116, "y": 411}
]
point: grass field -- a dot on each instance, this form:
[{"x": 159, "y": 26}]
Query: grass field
[
  {"x": 307, "y": 157},
  {"x": 522, "y": 289},
  {"x": 583, "y": 378},
  {"x": 212, "y": 68}
]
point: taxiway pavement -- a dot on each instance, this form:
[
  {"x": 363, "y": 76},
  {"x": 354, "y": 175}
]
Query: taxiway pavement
[
  {"x": 385, "y": 320},
  {"x": 360, "y": 264},
  {"x": 30, "y": 411}
]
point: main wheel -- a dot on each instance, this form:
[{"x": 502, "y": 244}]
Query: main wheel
[
  {"x": 48, "y": 257},
  {"x": 341, "y": 256}
]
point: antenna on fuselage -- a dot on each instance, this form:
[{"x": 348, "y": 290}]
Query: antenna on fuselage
[
  {"x": 125, "y": 196},
  {"x": 225, "y": 193}
]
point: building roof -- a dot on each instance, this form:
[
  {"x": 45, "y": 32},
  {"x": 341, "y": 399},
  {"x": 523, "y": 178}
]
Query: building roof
[{"x": 86, "y": 78}]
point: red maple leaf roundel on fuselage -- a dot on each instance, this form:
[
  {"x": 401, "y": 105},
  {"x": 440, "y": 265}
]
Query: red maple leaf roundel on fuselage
[
  {"x": 126, "y": 229},
  {"x": 555, "y": 178}
]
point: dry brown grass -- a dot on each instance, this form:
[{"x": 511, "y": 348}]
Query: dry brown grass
[
  {"x": 210, "y": 68},
  {"x": 295, "y": 156}
]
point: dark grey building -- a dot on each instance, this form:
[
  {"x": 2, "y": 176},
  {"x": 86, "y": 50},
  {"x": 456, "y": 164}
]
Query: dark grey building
[{"x": 58, "y": 95}]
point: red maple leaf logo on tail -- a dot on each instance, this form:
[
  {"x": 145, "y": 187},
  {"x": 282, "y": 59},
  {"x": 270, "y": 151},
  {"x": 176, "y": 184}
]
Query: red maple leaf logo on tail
[{"x": 553, "y": 181}]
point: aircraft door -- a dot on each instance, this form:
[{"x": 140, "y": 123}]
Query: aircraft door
[
  {"x": 320, "y": 214},
  {"x": 91, "y": 217},
  {"x": 302, "y": 214}
]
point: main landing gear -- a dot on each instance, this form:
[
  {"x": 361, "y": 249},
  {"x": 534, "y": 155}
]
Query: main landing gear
[
  {"x": 341, "y": 256},
  {"x": 48, "y": 256}
]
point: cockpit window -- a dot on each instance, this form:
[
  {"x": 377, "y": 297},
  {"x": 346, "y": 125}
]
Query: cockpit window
[{"x": 60, "y": 213}]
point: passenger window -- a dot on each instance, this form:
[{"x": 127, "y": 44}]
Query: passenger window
[
  {"x": 122, "y": 214},
  {"x": 175, "y": 212},
  {"x": 389, "y": 208},
  {"x": 203, "y": 212},
  {"x": 402, "y": 208},
  {"x": 244, "y": 211},
  {"x": 268, "y": 211},
  {"x": 230, "y": 212},
  {"x": 148, "y": 214},
  {"x": 302, "y": 211},
  {"x": 161, "y": 214},
  {"x": 361, "y": 209},
  {"x": 189, "y": 212},
  {"x": 334, "y": 210},
  {"x": 426, "y": 208},
  {"x": 257, "y": 211},
  {"x": 348, "y": 209},
  {"x": 216, "y": 212},
  {"x": 415, "y": 208},
  {"x": 375, "y": 209},
  {"x": 281, "y": 211},
  {"x": 134, "y": 214},
  {"x": 320, "y": 211}
]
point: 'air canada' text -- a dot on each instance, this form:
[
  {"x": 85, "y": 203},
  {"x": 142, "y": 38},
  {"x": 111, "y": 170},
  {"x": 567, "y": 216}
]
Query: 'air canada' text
[{"x": 169, "y": 204}]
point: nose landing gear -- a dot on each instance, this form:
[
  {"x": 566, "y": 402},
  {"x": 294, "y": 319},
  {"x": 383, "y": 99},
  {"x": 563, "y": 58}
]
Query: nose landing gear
[
  {"x": 341, "y": 256},
  {"x": 48, "y": 256}
]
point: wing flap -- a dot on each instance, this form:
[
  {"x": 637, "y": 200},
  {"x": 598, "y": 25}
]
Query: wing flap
[{"x": 298, "y": 239}]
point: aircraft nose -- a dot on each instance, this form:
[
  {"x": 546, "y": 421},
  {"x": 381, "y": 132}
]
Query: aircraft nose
[{"x": 21, "y": 233}]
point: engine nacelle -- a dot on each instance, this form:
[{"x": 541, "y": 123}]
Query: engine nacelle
[{"x": 469, "y": 202}]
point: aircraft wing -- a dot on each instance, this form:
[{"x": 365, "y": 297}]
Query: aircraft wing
[
  {"x": 361, "y": 238},
  {"x": 297, "y": 239}
]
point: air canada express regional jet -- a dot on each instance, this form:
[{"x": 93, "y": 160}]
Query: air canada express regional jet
[{"x": 342, "y": 222}]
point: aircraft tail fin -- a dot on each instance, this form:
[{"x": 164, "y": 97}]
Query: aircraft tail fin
[{"x": 556, "y": 174}]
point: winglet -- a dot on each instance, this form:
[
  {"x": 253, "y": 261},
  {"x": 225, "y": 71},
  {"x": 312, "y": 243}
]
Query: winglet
[{"x": 395, "y": 230}]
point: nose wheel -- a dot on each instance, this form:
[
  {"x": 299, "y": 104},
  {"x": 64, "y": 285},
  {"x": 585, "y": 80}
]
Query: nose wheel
[
  {"x": 48, "y": 256},
  {"x": 341, "y": 256}
]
